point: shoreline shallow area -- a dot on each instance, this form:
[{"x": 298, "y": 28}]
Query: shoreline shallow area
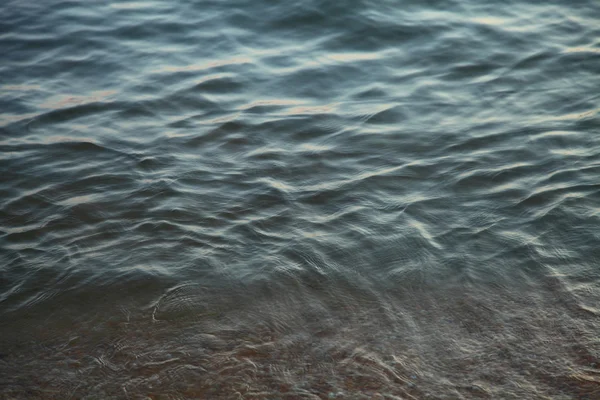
[{"x": 318, "y": 342}]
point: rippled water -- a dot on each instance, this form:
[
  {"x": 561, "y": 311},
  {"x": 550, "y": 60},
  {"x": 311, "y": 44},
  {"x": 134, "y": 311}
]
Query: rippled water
[{"x": 299, "y": 200}]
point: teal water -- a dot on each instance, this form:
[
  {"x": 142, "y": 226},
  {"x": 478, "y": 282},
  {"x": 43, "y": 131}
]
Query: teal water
[{"x": 299, "y": 200}]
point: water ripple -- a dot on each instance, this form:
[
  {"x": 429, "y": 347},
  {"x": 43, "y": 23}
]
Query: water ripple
[{"x": 309, "y": 200}]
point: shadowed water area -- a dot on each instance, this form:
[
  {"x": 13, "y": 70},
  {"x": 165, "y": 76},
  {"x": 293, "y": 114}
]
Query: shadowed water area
[{"x": 299, "y": 200}]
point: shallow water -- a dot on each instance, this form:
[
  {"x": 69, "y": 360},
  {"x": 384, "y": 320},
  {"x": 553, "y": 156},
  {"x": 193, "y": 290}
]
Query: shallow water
[{"x": 362, "y": 199}]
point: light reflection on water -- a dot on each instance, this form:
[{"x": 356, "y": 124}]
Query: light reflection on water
[{"x": 308, "y": 200}]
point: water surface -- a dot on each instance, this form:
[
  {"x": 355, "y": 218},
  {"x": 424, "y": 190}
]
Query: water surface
[{"x": 299, "y": 200}]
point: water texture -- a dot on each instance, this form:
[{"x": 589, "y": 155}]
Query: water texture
[{"x": 299, "y": 200}]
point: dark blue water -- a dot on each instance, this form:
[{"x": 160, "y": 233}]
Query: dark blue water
[{"x": 299, "y": 200}]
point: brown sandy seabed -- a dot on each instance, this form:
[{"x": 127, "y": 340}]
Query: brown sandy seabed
[{"x": 316, "y": 343}]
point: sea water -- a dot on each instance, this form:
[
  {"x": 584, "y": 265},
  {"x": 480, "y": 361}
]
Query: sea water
[{"x": 299, "y": 200}]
